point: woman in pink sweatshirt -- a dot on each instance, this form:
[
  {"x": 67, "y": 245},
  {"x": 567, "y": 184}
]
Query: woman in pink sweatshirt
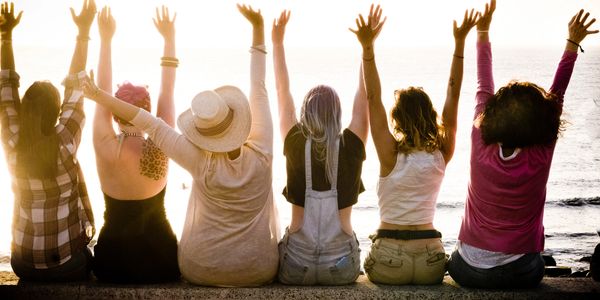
[{"x": 513, "y": 141}]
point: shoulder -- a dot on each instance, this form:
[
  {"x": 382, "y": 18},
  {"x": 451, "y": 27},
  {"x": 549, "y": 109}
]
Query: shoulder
[
  {"x": 294, "y": 138},
  {"x": 353, "y": 144}
]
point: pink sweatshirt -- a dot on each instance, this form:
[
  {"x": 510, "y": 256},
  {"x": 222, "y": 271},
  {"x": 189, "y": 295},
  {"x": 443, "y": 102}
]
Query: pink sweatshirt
[{"x": 505, "y": 202}]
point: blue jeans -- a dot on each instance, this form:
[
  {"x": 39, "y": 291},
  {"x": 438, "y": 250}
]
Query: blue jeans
[
  {"x": 77, "y": 268},
  {"x": 525, "y": 272}
]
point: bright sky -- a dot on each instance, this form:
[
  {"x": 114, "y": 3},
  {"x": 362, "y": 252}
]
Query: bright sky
[{"x": 314, "y": 23}]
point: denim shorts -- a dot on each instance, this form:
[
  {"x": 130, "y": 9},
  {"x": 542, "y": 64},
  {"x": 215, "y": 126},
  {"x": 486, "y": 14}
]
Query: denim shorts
[
  {"x": 398, "y": 262},
  {"x": 336, "y": 265}
]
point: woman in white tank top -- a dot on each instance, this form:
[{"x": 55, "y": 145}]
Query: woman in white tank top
[{"x": 406, "y": 248}]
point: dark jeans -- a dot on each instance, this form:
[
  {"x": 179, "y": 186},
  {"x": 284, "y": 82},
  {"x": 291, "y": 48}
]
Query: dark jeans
[
  {"x": 525, "y": 272},
  {"x": 78, "y": 268}
]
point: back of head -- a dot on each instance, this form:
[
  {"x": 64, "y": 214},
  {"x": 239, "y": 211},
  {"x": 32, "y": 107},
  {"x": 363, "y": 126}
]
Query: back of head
[
  {"x": 37, "y": 148},
  {"x": 320, "y": 119},
  {"x": 521, "y": 114},
  {"x": 415, "y": 121},
  {"x": 135, "y": 95}
]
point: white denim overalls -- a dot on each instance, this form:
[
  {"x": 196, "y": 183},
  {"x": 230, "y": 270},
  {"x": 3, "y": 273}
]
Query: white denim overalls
[{"x": 320, "y": 252}]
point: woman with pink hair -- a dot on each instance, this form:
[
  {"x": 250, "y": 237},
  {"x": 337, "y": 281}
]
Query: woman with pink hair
[{"x": 136, "y": 243}]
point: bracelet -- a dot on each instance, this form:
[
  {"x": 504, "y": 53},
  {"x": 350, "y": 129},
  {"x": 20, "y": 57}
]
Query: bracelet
[
  {"x": 369, "y": 59},
  {"x": 458, "y": 56},
  {"x": 572, "y": 42},
  {"x": 167, "y": 61},
  {"x": 483, "y": 31},
  {"x": 168, "y": 64},
  {"x": 83, "y": 38},
  {"x": 259, "y": 49}
]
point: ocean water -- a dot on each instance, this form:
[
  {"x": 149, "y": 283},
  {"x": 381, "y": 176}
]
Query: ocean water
[{"x": 572, "y": 209}]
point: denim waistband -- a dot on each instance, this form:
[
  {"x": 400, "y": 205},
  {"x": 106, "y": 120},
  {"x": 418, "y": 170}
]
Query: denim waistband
[{"x": 405, "y": 234}]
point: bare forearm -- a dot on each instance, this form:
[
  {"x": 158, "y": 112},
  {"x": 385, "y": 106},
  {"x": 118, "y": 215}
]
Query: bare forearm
[
  {"x": 118, "y": 108},
  {"x": 166, "y": 105},
  {"x": 79, "y": 60},
  {"x": 258, "y": 35},
  {"x": 105, "y": 67},
  {"x": 450, "y": 112}
]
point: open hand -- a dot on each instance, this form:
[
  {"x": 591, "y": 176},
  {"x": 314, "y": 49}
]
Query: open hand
[
  {"x": 89, "y": 87},
  {"x": 471, "y": 18},
  {"x": 367, "y": 32},
  {"x": 7, "y": 18},
  {"x": 106, "y": 24},
  {"x": 486, "y": 16},
  {"x": 279, "y": 27},
  {"x": 164, "y": 23},
  {"x": 578, "y": 30},
  {"x": 251, "y": 15},
  {"x": 86, "y": 16}
]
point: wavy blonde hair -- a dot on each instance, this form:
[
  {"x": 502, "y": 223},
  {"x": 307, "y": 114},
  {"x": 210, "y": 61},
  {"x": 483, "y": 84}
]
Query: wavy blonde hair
[{"x": 415, "y": 121}]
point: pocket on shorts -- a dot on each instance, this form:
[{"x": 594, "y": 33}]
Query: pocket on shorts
[
  {"x": 436, "y": 254},
  {"x": 346, "y": 269},
  {"x": 291, "y": 271}
]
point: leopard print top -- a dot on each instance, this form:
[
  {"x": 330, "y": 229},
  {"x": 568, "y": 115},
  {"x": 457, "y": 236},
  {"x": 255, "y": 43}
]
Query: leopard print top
[{"x": 154, "y": 162}]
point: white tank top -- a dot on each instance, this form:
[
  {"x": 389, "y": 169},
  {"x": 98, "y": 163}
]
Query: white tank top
[{"x": 408, "y": 195}]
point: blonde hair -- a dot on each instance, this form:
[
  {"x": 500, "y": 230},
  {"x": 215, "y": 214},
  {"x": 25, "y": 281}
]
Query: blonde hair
[
  {"x": 320, "y": 120},
  {"x": 415, "y": 121}
]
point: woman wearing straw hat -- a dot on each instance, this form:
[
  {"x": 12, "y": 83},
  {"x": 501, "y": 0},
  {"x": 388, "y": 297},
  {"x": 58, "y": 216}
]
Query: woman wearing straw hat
[
  {"x": 319, "y": 246},
  {"x": 230, "y": 232},
  {"x": 136, "y": 243}
]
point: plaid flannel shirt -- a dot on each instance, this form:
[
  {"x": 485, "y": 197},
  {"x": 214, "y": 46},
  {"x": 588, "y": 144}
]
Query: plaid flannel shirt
[{"x": 52, "y": 217}]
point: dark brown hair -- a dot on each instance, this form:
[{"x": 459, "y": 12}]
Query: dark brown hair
[
  {"x": 521, "y": 114},
  {"x": 415, "y": 121},
  {"x": 37, "y": 147}
]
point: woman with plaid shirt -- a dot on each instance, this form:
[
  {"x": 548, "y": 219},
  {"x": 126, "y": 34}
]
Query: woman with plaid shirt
[{"x": 52, "y": 219}]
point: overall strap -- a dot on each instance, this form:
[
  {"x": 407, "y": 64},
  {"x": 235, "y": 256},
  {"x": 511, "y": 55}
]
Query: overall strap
[
  {"x": 307, "y": 163},
  {"x": 308, "y": 167}
]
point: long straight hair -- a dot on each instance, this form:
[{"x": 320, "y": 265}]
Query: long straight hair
[
  {"x": 320, "y": 119},
  {"x": 37, "y": 147}
]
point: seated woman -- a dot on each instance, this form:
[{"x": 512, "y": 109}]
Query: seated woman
[
  {"x": 53, "y": 221},
  {"x": 512, "y": 143},
  {"x": 230, "y": 232},
  {"x": 136, "y": 243},
  {"x": 407, "y": 249},
  {"x": 319, "y": 246}
]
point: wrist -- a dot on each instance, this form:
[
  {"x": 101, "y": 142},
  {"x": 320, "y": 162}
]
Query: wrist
[{"x": 6, "y": 35}]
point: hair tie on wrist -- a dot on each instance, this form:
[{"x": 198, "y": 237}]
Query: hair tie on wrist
[
  {"x": 572, "y": 42},
  {"x": 83, "y": 38},
  {"x": 458, "y": 56},
  {"x": 369, "y": 59}
]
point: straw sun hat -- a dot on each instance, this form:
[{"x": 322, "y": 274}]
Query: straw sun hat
[{"x": 218, "y": 120}]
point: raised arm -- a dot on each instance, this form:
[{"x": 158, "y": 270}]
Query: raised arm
[
  {"x": 485, "y": 78},
  {"x": 359, "y": 124},
  {"x": 9, "y": 80},
  {"x": 285, "y": 101},
  {"x": 578, "y": 30},
  {"x": 166, "y": 27},
  {"x": 84, "y": 23},
  {"x": 72, "y": 116},
  {"x": 385, "y": 143},
  {"x": 103, "y": 128},
  {"x": 261, "y": 131},
  {"x": 450, "y": 113}
]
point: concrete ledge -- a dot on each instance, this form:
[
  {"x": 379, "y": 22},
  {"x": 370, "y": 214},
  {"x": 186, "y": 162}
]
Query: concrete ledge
[{"x": 551, "y": 288}]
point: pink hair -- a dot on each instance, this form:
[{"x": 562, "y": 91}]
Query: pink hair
[{"x": 135, "y": 95}]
